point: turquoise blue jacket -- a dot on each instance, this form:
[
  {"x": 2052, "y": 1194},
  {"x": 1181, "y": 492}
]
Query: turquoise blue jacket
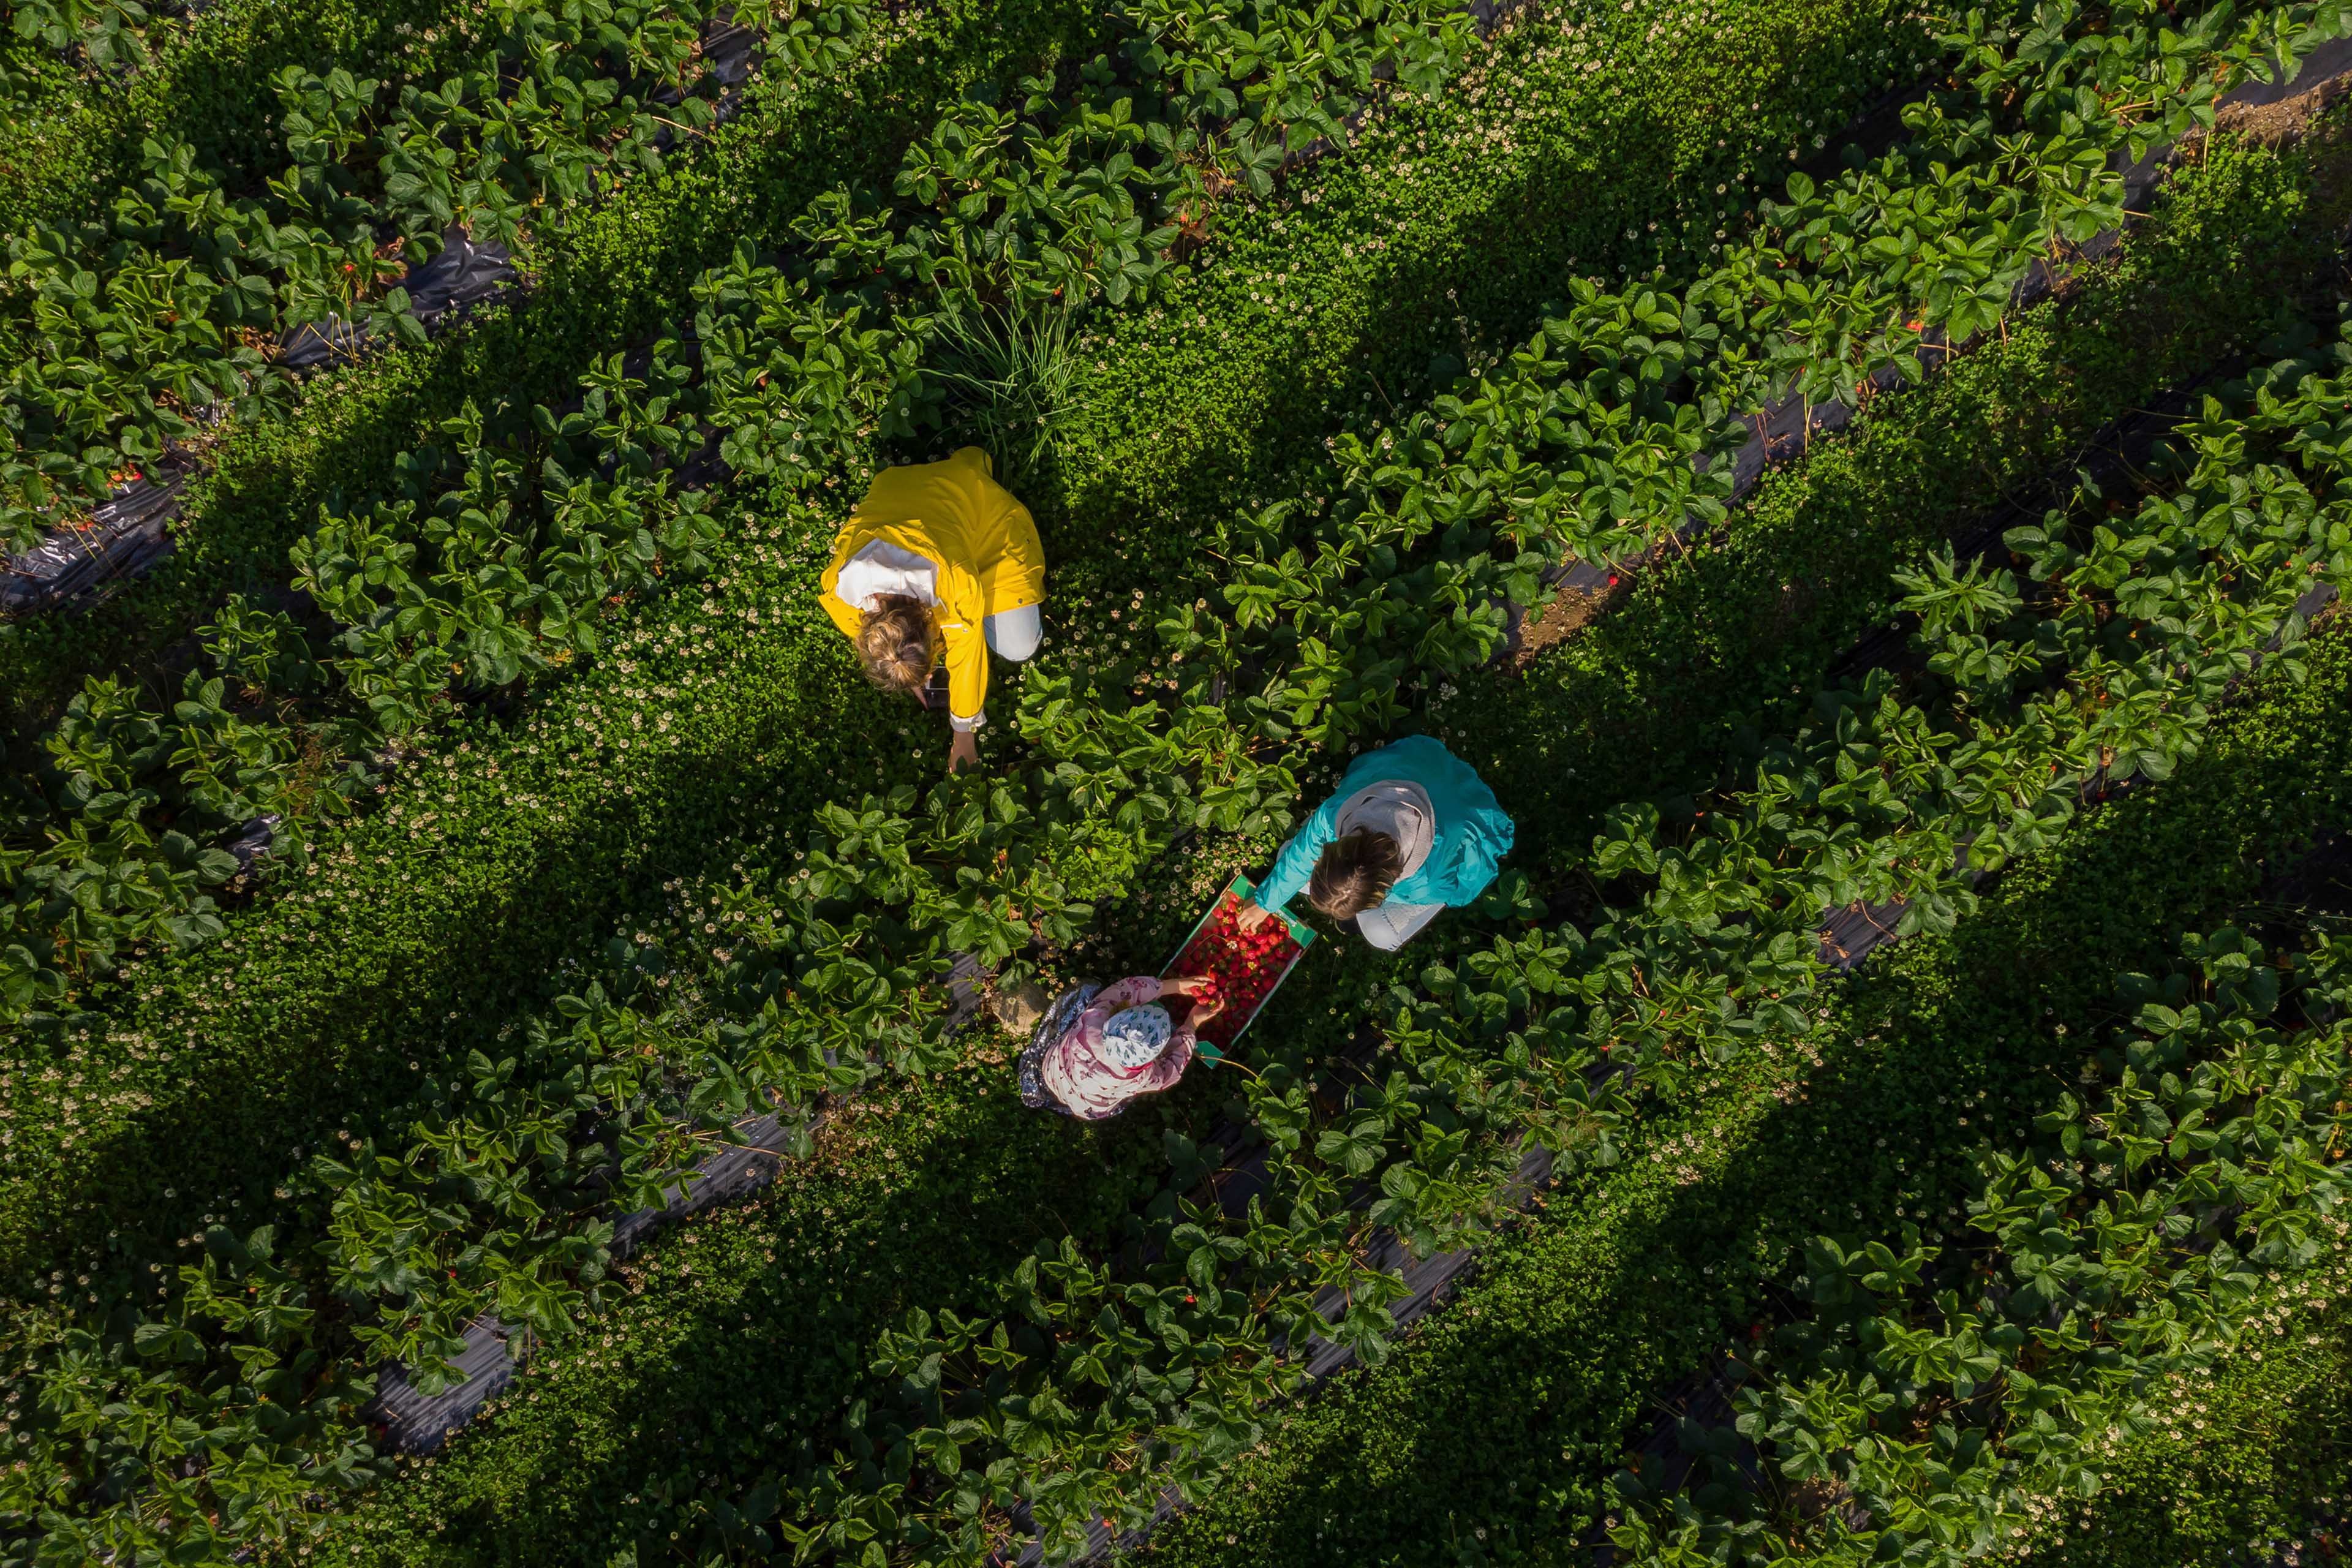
[{"x": 1470, "y": 835}]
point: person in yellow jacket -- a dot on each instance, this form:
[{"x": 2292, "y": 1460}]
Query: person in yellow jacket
[{"x": 938, "y": 561}]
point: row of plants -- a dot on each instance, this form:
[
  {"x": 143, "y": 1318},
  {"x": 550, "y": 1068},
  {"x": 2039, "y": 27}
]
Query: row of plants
[
  {"x": 1116, "y": 739},
  {"x": 1102, "y": 728},
  {"x": 245, "y": 516},
  {"x": 640, "y": 1408},
  {"x": 607, "y": 279},
  {"x": 1672, "y": 673},
  {"x": 1067, "y": 1519},
  {"x": 979, "y": 1512},
  {"x": 1777, "y": 953},
  {"x": 1654, "y": 696},
  {"x": 113, "y": 817},
  {"x": 481, "y": 1504},
  {"x": 505, "y": 540},
  {"x": 1925, "y": 1398},
  {"x": 1187, "y": 759},
  {"x": 1377, "y": 297},
  {"x": 1634, "y": 1296},
  {"x": 1254, "y": 118},
  {"x": 1614, "y": 427},
  {"x": 341, "y": 1222},
  {"x": 780, "y": 368},
  {"x": 1655, "y": 73},
  {"x": 1743, "y": 874},
  {"x": 714, "y": 922},
  {"x": 752, "y": 1325},
  {"x": 315, "y": 1014},
  {"x": 1300, "y": 76}
]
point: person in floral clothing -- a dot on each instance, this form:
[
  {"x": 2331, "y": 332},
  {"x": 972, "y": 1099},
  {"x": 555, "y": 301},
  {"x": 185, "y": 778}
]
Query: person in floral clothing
[{"x": 1098, "y": 1048}]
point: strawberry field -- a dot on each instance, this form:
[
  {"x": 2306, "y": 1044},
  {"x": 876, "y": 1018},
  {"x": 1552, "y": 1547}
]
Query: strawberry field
[{"x": 511, "y": 1042}]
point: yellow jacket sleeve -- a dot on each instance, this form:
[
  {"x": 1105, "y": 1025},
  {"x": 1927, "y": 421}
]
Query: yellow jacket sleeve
[
  {"x": 846, "y": 618},
  {"x": 959, "y": 613}
]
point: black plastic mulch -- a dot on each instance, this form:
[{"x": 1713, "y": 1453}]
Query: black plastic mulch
[
  {"x": 125, "y": 535},
  {"x": 465, "y": 274}
]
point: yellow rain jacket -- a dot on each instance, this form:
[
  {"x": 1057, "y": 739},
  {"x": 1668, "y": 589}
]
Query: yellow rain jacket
[{"x": 986, "y": 543}]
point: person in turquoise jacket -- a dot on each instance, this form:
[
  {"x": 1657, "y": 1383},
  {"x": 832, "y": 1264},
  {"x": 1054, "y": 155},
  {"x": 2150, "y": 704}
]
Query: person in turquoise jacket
[{"x": 1412, "y": 830}]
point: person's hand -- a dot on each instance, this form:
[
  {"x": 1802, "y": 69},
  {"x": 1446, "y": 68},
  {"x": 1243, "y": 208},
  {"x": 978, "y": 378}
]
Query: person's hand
[
  {"x": 964, "y": 748},
  {"x": 1185, "y": 985},
  {"x": 1249, "y": 917},
  {"x": 1205, "y": 1011}
]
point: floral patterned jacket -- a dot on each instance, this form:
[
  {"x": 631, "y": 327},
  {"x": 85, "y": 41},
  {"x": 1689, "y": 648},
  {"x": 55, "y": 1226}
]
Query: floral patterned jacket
[{"x": 1085, "y": 1081}]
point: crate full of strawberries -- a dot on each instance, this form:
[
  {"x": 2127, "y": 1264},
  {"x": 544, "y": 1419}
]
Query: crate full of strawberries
[{"x": 1243, "y": 967}]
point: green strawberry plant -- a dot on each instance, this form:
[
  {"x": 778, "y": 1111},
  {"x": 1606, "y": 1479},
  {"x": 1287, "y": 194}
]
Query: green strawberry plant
[
  {"x": 1352, "y": 1140},
  {"x": 108, "y": 34},
  {"x": 1614, "y": 429},
  {"x": 498, "y": 1200},
  {"x": 1556, "y": 1034}
]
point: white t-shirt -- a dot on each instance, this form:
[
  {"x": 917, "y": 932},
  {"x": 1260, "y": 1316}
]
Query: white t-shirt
[{"x": 883, "y": 568}]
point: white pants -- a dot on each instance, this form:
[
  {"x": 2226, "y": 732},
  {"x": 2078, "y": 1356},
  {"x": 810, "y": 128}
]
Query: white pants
[
  {"x": 1014, "y": 633},
  {"x": 1389, "y": 926}
]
